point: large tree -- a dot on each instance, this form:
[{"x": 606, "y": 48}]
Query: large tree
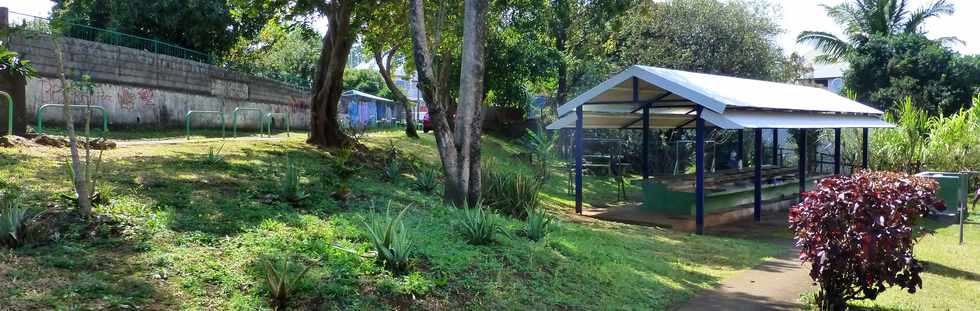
[
  {"x": 864, "y": 19},
  {"x": 459, "y": 146},
  {"x": 386, "y": 36},
  {"x": 328, "y": 81}
]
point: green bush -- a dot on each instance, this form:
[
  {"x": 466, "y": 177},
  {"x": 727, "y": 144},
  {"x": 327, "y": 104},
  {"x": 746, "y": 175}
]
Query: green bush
[
  {"x": 509, "y": 192},
  {"x": 16, "y": 224},
  {"x": 390, "y": 240},
  {"x": 426, "y": 181},
  {"x": 538, "y": 224},
  {"x": 283, "y": 277},
  {"x": 478, "y": 225},
  {"x": 392, "y": 170}
]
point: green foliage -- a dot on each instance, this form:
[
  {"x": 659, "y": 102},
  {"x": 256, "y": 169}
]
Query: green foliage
[
  {"x": 392, "y": 170},
  {"x": 343, "y": 168},
  {"x": 16, "y": 223},
  {"x": 478, "y": 225},
  {"x": 214, "y": 155},
  {"x": 391, "y": 240},
  {"x": 426, "y": 180},
  {"x": 886, "y": 70},
  {"x": 12, "y": 63},
  {"x": 954, "y": 141},
  {"x": 510, "y": 192},
  {"x": 283, "y": 276},
  {"x": 538, "y": 224},
  {"x": 718, "y": 37},
  {"x": 290, "y": 187},
  {"x": 542, "y": 145},
  {"x": 282, "y": 52},
  {"x": 367, "y": 81}
]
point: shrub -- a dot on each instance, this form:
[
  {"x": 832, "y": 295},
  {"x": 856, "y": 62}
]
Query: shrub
[
  {"x": 509, "y": 192},
  {"x": 426, "y": 181},
  {"x": 857, "y": 232},
  {"x": 290, "y": 188},
  {"x": 538, "y": 224},
  {"x": 542, "y": 145},
  {"x": 478, "y": 225},
  {"x": 342, "y": 167},
  {"x": 16, "y": 224},
  {"x": 390, "y": 240},
  {"x": 283, "y": 277}
]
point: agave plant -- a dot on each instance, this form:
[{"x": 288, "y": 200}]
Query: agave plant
[
  {"x": 390, "y": 240},
  {"x": 392, "y": 170},
  {"x": 509, "y": 192},
  {"x": 15, "y": 224},
  {"x": 291, "y": 189},
  {"x": 538, "y": 224},
  {"x": 342, "y": 167},
  {"x": 283, "y": 277},
  {"x": 214, "y": 155},
  {"x": 426, "y": 181},
  {"x": 478, "y": 225}
]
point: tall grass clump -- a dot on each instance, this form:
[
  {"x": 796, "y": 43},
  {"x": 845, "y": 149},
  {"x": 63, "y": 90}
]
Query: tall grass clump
[
  {"x": 426, "y": 181},
  {"x": 16, "y": 223},
  {"x": 283, "y": 277},
  {"x": 509, "y": 192},
  {"x": 390, "y": 240},
  {"x": 538, "y": 224},
  {"x": 478, "y": 225}
]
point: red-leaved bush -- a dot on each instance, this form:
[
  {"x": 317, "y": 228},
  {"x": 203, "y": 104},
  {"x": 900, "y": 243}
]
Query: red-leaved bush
[{"x": 857, "y": 233}]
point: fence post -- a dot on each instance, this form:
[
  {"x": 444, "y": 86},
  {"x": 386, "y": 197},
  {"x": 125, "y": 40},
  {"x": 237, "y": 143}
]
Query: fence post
[{"x": 4, "y": 21}]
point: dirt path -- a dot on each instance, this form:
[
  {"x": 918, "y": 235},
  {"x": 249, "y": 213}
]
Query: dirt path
[{"x": 776, "y": 284}]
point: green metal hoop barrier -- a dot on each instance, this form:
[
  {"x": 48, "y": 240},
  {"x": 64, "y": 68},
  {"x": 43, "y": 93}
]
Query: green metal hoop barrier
[
  {"x": 267, "y": 122},
  {"x": 10, "y": 113},
  {"x": 187, "y": 120},
  {"x": 234, "y": 119},
  {"x": 40, "y": 114}
]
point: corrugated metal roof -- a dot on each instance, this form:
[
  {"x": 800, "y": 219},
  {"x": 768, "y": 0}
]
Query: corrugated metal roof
[
  {"x": 365, "y": 95},
  {"x": 732, "y": 102}
]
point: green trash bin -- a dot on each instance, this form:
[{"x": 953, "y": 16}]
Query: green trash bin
[{"x": 952, "y": 188}]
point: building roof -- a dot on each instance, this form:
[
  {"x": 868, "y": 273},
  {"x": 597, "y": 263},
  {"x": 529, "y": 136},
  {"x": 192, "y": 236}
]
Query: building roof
[
  {"x": 365, "y": 95},
  {"x": 726, "y": 102}
]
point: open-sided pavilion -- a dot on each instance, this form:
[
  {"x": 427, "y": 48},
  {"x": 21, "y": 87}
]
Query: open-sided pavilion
[{"x": 644, "y": 97}]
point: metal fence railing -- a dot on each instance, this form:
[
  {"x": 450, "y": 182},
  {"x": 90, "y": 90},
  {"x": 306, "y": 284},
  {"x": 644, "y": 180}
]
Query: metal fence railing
[{"x": 44, "y": 25}]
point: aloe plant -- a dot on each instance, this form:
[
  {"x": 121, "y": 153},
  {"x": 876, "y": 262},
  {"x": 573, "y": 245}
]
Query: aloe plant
[
  {"x": 283, "y": 277},
  {"x": 390, "y": 240},
  {"x": 426, "y": 181},
  {"x": 291, "y": 189},
  {"x": 15, "y": 223},
  {"x": 538, "y": 224},
  {"x": 214, "y": 155},
  {"x": 478, "y": 225}
]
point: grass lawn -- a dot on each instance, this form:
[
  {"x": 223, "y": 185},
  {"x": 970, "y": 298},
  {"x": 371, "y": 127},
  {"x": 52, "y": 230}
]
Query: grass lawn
[
  {"x": 951, "y": 280},
  {"x": 180, "y": 233}
]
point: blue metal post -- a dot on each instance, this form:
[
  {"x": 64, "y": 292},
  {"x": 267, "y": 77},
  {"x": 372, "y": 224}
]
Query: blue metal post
[
  {"x": 775, "y": 147},
  {"x": 801, "y": 148},
  {"x": 757, "y": 179},
  {"x": 741, "y": 146},
  {"x": 837, "y": 151},
  {"x": 699, "y": 180},
  {"x": 864, "y": 149},
  {"x": 645, "y": 157},
  {"x": 578, "y": 159}
]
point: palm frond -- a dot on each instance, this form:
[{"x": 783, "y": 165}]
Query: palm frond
[
  {"x": 833, "y": 47},
  {"x": 917, "y": 18}
]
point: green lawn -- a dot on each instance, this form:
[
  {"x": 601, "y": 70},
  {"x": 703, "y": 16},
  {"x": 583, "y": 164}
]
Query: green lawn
[{"x": 183, "y": 234}]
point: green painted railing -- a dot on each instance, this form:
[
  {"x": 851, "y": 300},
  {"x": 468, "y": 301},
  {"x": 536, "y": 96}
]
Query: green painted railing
[
  {"x": 234, "y": 119},
  {"x": 10, "y": 113},
  {"x": 267, "y": 121},
  {"x": 40, "y": 115},
  {"x": 187, "y": 120}
]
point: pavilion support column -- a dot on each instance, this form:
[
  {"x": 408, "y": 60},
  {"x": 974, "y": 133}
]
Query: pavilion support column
[
  {"x": 775, "y": 147},
  {"x": 645, "y": 157},
  {"x": 741, "y": 147},
  {"x": 578, "y": 159},
  {"x": 757, "y": 178},
  {"x": 864, "y": 149},
  {"x": 699, "y": 169},
  {"x": 837, "y": 151},
  {"x": 801, "y": 148}
]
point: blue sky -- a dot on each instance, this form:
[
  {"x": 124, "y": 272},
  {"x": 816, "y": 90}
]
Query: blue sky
[{"x": 797, "y": 15}]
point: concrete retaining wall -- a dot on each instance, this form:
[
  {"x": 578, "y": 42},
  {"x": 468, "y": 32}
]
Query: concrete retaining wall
[{"x": 144, "y": 89}]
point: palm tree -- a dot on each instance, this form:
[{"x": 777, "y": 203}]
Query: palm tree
[{"x": 863, "y": 19}]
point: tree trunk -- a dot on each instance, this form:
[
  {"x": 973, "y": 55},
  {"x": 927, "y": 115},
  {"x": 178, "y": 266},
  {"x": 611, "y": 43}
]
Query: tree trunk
[
  {"x": 80, "y": 179},
  {"x": 384, "y": 68},
  {"x": 460, "y": 153},
  {"x": 468, "y": 114},
  {"x": 559, "y": 30},
  {"x": 328, "y": 86}
]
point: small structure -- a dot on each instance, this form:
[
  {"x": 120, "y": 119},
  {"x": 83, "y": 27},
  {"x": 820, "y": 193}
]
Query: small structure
[
  {"x": 361, "y": 110},
  {"x": 643, "y": 97}
]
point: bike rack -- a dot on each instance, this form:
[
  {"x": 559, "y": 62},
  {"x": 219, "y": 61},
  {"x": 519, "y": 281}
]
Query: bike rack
[
  {"x": 10, "y": 113},
  {"x": 40, "y": 114},
  {"x": 187, "y": 120},
  {"x": 267, "y": 121},
  {"x": 234, "y": 119}
]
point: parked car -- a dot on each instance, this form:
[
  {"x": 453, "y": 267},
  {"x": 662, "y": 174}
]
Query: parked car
[{"x": 426, "y": 123}]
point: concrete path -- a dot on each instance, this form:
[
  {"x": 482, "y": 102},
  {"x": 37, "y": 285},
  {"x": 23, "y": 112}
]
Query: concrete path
[{"x": 776, "y": 284}]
